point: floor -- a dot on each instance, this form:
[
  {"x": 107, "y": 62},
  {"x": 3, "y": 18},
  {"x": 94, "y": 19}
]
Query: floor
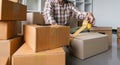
[{"x": 111, "y": 57}]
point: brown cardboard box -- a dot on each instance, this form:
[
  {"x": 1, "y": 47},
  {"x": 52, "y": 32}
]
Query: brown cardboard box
[
  {"x": 118, "y": 34},
  {"x": 104, "y": 30},
  {"x": 8, "y": 29},
  {"x": 17, "y": 1},
  {"x": 89, "y": 44},
  {"x": 22, "y": 12},
  {"x": 6, "y": 14},
  {"x": 25, "y": 56},
  {"x": 18, "y": 27},
  {"x": 118, "y": 41},
  {"x": 46, "y": 37},
  {"x": 11, "y": 11},
  {"x": 8, "y": 47},
  {"x": 118, "y": 29},
  {"x": 4, "y": 61},
  {"x": 35, "y": 18}
]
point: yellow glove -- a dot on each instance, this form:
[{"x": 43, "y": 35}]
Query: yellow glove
[
  {"x": 89, "y": 26},
  {"x": 85, "y": 25}
]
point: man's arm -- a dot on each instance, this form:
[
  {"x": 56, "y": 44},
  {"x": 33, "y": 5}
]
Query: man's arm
[
  {"x": 82, "y": 15},
  {"x": 48, "y": 12}
]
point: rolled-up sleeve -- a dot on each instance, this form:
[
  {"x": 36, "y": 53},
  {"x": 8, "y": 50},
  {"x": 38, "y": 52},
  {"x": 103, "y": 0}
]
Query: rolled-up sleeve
[{"x": 48, "y": 12}]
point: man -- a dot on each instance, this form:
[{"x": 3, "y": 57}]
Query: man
[{"x": 58, "y": 12}]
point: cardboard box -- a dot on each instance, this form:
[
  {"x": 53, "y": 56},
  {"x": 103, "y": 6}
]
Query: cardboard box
[
  {"x": 16, "y": 1},
  {"x": 22, "y": 12},
  {"x": 8, "y": 29},
  {"x": 35, "y": 18},
  {"x": 4, "y": 61},
  {"x": 104, "y": 30},
  {"x": 13, "y": 12},
  {"x": 25, "y": 56},
  {"x": 118, "y": 40},
  {"x": 8, "y": 47},
  {"x": 41, "y": 38},
  {"x": 118, "y": 29},
  {"x": 118, "y": 34},
  {"x": 89, "y": 44},
  {"x": 18, "y": 27},
  {"x": 6, "y": 14}
]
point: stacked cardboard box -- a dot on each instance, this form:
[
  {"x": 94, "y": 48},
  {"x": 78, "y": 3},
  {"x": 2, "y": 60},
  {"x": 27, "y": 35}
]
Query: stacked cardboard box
[
  {"x": 17, "y": 1},
  {"x": 26, "y": 56},
  {"x": 15, "y": 11},
  {"x": 104, "y": 30},
  {"x": 43, "y": 46},
  {"x": 35, "y": 18},
  {"x": 8, "y": 18},
  {"x": 8, "y": 47},
  {"x": 118, "y": 35},
  {"x": 46, "y": 37},
  {"x": 4, "y": 61},
  {"x": 10, "y": 13},
  {"x": 8, "y": 29}
]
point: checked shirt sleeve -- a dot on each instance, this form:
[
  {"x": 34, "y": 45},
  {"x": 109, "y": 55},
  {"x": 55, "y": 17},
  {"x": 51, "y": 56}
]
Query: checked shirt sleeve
[
  {"x": 77, "y": 13},
  {"x": 48, "y": 12}
]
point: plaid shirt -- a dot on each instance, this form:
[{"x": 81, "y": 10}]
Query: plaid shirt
[{"x": 60, "y": 14}]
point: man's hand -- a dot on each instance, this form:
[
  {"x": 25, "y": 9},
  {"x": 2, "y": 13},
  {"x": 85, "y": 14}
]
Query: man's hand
[
  {"x": 71, "y": 36},
  {"x": 90, "y": 18}
]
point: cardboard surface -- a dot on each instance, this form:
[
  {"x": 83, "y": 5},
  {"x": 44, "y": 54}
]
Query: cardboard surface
[
  {"x": 22, "y": 12},
  {"x": 118, "y": 29},
  {"x": 4, "y": 60},
  {"x": 8, "y": 47},
  {"x": 89, "y": 44},
  {"x": 118, "y": 41},
  {"x": 8, "y": 29},
  {"x": 104, "y": 30},
  {"x": 118, "y": 34},
  {"x": 35, "y": 18},
  {"x": 15, "y": 1},
  {"x": 46, "y": 37},
  {"x": 101, "y": 28},
  {"x": 6, "y": 14},
  {"x": 13, "y": 12},
  {"x": 25, "y": 56}
]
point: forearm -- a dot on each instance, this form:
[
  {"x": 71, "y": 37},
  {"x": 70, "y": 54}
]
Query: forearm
[
  {"x": 48, "y": 13},
  {"x": 77, "y": 13},
  {"x": 49, "y": 19}
]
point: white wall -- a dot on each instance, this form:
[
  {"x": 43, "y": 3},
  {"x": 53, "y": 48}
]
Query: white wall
[{"x": 107, "y": 12}]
